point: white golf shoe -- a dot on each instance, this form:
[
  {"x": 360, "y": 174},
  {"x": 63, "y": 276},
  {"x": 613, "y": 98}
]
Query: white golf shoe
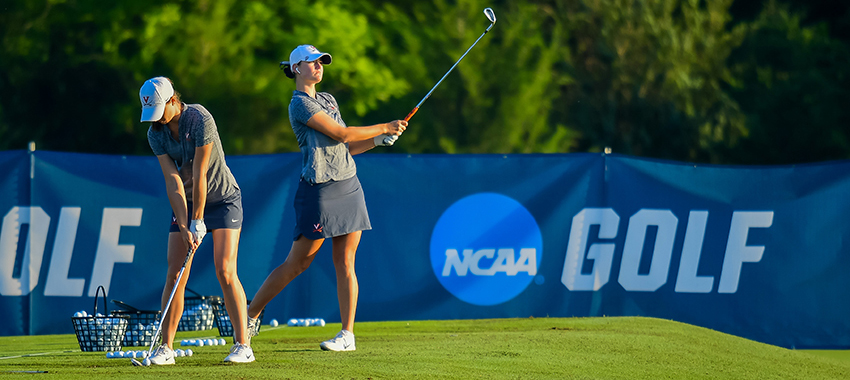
[
  {"x": 162, "y": 355},
  {"x": 240, "y": 353},
  {"x": 344, "y": 341}
]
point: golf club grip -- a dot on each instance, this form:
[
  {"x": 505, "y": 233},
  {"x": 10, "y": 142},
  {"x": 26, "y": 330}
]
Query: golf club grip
[{"x": 410, "y": 115}]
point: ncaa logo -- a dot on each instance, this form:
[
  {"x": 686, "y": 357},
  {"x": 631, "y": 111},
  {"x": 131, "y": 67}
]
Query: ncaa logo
[{"x": 485, "y": 249}]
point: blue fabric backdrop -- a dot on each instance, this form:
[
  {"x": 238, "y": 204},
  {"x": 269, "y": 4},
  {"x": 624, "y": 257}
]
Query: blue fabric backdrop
[{"x": 758, "y": 252}]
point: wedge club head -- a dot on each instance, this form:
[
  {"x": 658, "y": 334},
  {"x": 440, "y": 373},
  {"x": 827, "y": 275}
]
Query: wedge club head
[
  {"x": 490, "y": 15},
  {"x": 144, "y": 363}
]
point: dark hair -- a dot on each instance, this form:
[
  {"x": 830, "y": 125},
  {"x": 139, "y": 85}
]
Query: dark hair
[
  {"x": 287, "y": 69},
  {"x": 157, "y": 126}
]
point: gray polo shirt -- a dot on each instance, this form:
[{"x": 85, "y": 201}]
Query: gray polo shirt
[
  {"x": 322, "y": 158},
  {"x": 196, "y": 127}
]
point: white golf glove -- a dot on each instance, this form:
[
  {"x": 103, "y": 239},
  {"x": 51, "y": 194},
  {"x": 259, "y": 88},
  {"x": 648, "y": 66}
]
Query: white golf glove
[
  {"x": 198, "y": 229},
  {"x": 385, "y": 140}
]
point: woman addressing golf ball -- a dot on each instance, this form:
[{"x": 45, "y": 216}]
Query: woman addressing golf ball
[
  {"x": 329, "y": 202},
  {"x": 204, "y": 196}
]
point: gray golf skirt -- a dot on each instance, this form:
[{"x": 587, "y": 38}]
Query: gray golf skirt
[{"x": 329, "y": 209}]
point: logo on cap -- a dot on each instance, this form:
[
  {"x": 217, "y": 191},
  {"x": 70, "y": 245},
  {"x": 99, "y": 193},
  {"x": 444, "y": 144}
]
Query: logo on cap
[{"x": 147, "y": 101}]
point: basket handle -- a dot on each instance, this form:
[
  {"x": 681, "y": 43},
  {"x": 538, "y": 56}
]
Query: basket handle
[
  {"x": 194, "y": 292},
  {"x": 99, "y": 290},
  {"x": 124, "y": 305}
]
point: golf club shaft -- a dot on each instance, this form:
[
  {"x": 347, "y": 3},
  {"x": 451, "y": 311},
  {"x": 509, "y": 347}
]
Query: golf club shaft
[
  {"x": 171, "y": 297},
  {"x": 413, "y": 112}
]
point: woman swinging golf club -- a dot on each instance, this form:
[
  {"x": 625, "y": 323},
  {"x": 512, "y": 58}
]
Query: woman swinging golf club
[
  {"x": 203, "y": 194},
  {"x": 329, "y": 202}
]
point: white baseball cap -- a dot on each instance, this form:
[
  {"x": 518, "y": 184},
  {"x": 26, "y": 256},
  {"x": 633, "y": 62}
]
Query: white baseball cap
[
  {"x": 307, "y": 53},
  {"x": 154, "y": 93}
]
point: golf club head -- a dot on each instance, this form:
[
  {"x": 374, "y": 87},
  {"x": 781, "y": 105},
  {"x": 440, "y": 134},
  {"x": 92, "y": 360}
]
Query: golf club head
[
  {"x": 143, "y": 363},
  {"x": 490, "y": 15}
]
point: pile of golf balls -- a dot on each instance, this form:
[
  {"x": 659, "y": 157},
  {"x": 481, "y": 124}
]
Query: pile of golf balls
[
  {"x": 199, "y": 317},
  {"x": 143, "y": 354},
  {"x": 140, "y": 334},
  {"x": 203, "y": 342},
  {"x": 127, "y": 354},
  {"x": 306, "y": 322},
  {"x": 100, "y": 333}
]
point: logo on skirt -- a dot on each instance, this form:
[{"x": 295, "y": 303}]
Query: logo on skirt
[{"x": 317, "y": 227}]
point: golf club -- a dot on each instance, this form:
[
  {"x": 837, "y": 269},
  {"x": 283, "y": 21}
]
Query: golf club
[
  {"x": 490, "y": 16},
  {"x": 146, "y": 362}
]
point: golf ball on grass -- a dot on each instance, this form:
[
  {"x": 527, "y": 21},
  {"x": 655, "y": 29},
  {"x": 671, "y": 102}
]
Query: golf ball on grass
[{"x": 273, "y": 323}]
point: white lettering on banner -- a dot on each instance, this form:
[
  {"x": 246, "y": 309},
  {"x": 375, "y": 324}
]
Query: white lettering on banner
[
  {"x": 39, "y": 223},
  {"x": 633, "y": 249},
  {"x": 109, "y": 251},
  {"x": 504, "y": 262},
  {"x": 737, "y": 252},
  {"x": 453, "y": 261},
  {"x": 688, "y": 281},
  {"x": 58, "y": 283},
  {"x": 602, "y": 254}
]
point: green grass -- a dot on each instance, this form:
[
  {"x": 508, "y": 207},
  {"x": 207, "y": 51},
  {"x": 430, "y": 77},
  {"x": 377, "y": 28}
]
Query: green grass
[
  {"x": 533, "y": 348},
  {"x": 836, "y": 354}
]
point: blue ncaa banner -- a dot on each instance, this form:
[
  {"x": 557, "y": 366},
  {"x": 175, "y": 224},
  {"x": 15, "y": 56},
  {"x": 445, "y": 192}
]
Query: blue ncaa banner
[
  {"x": 751, "y": 251},
  {"x": 15, "y": 277}
]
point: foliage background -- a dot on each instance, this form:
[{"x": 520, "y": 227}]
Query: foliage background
[{"x": 721, "y": 81}]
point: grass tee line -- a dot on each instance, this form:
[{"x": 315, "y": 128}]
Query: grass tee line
[{"x": 37, "y": 354}]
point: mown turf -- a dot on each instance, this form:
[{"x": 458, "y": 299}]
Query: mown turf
[
  {"x": 533, "y": 348},
  {"x": 836, "y": 354}
]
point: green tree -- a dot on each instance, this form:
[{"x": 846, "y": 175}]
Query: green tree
[
  {"x": 793, "y": 81},
  {"x": 650, "y": 77},
  {"x": 61, "y": 83},
  {"x": 674, "y": 79},
  {"x": 81, "y": 64},
  {"x": 499, "y": 98}
]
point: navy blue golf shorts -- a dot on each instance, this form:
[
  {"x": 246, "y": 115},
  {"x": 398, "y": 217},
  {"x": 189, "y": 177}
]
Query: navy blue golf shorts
[{"x": 225, "y": 214}]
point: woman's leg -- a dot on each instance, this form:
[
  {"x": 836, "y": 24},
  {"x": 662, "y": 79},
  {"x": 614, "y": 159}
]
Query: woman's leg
[
  {"x": 300, "y": 256},
  {"x": 344, "y": 250},
  {"x": 226, "y": 245},
  {"x": 176, "y": 255}
]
